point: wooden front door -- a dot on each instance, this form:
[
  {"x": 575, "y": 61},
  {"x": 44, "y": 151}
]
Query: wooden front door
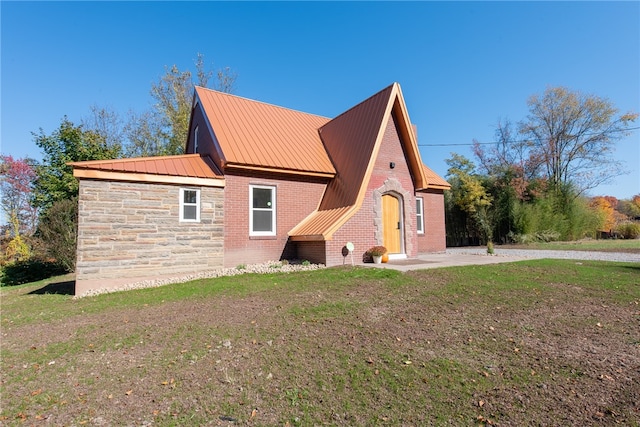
[{"x": 391, "y": 226}]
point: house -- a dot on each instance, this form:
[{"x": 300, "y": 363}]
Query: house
[{"x": 260, "y": 182}]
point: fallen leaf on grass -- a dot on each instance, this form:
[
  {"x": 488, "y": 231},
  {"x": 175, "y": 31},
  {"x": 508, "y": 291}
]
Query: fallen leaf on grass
[
  {"x": 128, "y": 392},
  {"x": 36, "y": 392},
  {"x": 484, "y": 420}
]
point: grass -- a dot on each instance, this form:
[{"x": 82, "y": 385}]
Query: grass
[
  {"x": 631, "y": 245},
  {"x": 536, "y": 342}
]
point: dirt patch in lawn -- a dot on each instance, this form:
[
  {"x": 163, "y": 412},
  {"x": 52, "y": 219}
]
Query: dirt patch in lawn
[{"x": 416, "y": 349}]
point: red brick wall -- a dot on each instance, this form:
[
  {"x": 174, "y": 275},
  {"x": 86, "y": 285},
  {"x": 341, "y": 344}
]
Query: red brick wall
[
  {"x": 314, "y": 251},
  {"x": 295, "y": 200},
  {"x": 434, "y": 237},
  {"x": 361, "y": 228}
]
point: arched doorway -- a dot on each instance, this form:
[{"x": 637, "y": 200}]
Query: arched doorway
[{"x": 392, "y": 224}]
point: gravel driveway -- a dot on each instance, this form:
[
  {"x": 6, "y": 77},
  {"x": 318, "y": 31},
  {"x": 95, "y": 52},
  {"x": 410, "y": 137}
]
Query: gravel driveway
[{"x": 535, "y": 253}]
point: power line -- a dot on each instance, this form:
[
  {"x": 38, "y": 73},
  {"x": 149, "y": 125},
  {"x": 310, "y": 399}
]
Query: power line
[{"x": 508, "y": 142}]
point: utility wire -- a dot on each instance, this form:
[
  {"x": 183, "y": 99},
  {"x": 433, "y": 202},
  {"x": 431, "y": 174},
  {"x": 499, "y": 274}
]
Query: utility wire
[{"x": 508, "y": 142}]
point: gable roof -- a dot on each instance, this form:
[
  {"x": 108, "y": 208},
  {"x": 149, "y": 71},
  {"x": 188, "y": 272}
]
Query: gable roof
[
  {"x": 258, "y": 136},
  {"x": 353, "y": 139},
  {"x": 188, "y": 169}
]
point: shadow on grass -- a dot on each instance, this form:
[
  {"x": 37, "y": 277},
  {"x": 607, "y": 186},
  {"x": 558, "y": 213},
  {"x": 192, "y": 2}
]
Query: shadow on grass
[{"x": 58, "y": 288}]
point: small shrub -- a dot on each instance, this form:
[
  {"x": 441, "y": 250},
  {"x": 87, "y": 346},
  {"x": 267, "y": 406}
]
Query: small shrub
[
  {"x": 31, "y": 270},
  {"x": 285, "y": 262},
  {"x": 490, "y": 249},
  {"x": 306, "y": 262},
  {"x": 241, "y": 267},
  {"x": 628, "y": 230}
]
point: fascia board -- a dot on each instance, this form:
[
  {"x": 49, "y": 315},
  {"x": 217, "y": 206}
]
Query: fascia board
[{"x": 147, "y": 178}]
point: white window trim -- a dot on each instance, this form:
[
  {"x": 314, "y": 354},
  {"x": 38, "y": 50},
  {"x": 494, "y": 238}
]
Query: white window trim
[
  {"x": 273, "y": 209},
  {"x": 183, "y": 204},
  {"x": 420, "y": 216}
]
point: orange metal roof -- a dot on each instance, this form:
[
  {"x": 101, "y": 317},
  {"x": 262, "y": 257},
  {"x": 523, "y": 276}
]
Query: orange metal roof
[
  {"x": 434, "y": 180},
  {"x": 253, "y": 134},
  {"x": 187, "y": 165},
  {"x": 353, "y": 140},
  {"x": 321, "y": 224}
]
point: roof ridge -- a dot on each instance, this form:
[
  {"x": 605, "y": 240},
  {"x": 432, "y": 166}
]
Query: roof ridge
[
  {"x": 269, "y": 104},
  {"x": 363, "y": 101}
]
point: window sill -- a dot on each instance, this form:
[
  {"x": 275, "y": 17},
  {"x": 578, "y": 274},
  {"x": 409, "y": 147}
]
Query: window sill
[{"x": 263, "y": 237}]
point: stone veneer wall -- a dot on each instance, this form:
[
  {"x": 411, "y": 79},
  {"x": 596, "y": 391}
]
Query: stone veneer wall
[{"x": 129, "y": 232}]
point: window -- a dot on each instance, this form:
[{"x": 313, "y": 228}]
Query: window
[
  {"x": 262, "y": 210},
  {"x": 189, "y": 205},
  {"x": 195, "y": 140},
  {"x": 419, "y": 215}
]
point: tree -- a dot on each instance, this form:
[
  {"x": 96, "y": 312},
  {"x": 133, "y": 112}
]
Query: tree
[
  {"x": 606, "y": 211},
  {"x": 566, "y": 141},
  {"x": 469, "y": 194},
  {"x": 58, "y": 229},
  {"x": 69, "y": 143},
  {"x": 163, "y": 130},
  {"x": 511, "y": 163},
  {"x": 17, "y": 177},
  {"x": 630, "y": 207},
  {"x": 107, "y": 124},
  {"x": 572, "y": 135},
  {"x": 146, "y": 135}
]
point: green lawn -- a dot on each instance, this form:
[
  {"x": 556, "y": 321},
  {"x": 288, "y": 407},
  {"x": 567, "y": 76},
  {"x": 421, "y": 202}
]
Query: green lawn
[{"x": 545, "y": 342}]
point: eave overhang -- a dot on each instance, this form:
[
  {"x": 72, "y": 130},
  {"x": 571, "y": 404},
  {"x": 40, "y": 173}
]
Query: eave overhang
[
  {"x": 240, "y": 167},
  {"x": 147, "y": 178}
]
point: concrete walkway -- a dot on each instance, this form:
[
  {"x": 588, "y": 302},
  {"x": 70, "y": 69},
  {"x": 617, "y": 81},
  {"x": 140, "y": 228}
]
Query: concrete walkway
[
  {"x": 479, "y": 256},
  {"x": 443, "y": 260}
]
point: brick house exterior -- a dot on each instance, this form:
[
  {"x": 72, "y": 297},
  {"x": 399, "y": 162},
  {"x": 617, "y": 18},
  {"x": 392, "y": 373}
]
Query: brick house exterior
[{"x": 260, "y": 182}]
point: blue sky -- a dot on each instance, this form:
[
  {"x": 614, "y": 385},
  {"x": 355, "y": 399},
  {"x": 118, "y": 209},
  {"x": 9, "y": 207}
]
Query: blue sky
[{"x": 462, "y": 66}]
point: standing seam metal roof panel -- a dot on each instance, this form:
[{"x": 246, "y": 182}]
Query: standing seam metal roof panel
[
  {"x": 257, "y": 134},
  {"x": 188, "y": 165},
  {"x": 350, "y": 140}
]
